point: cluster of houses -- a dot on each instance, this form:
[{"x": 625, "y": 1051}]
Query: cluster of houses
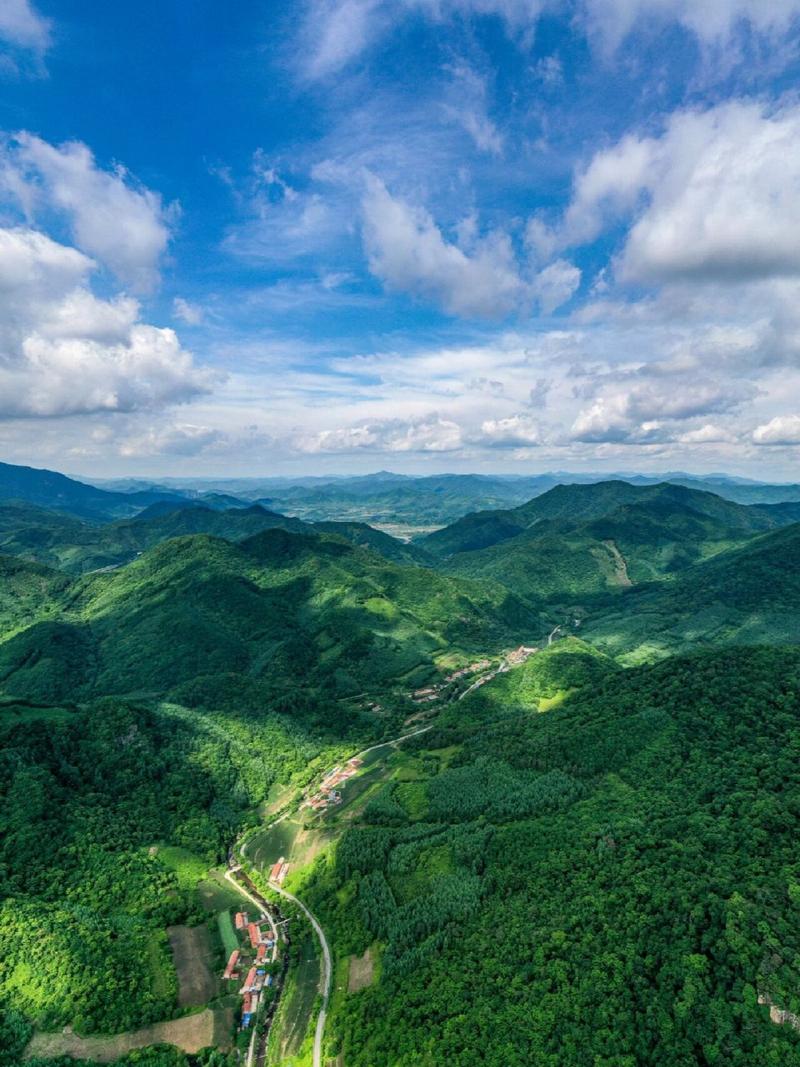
[
  {"x": 431, "y": 692},
  {"x": 262, "y": 942},
  {"x": 328, "y": 793}
]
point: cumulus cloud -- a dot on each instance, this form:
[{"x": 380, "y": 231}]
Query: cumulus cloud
[
  {"x": 715, "y": 198},
  {"x": 119, "y": 222},
  {"x": 408, "y": 253},
  {"x": 427, "y": 433},
  {"x": 515, "y": 431},
  {"x": 638, "y": 413},
  {"x": 64, "y": 351},
  {"x": 23, "y": 27},
  {"x": 782, "y": 430}
]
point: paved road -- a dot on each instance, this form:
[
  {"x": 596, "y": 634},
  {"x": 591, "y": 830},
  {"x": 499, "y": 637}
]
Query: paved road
[
  {"x": 327, "y": 970},
  {"x": 327, "y": 967}
]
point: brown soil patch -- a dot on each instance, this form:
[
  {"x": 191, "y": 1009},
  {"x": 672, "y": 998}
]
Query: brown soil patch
[
  {"x": 191, "y": 951},
  {"x": 192, "y": 1033},
  {"x": 360, "y": 974}
]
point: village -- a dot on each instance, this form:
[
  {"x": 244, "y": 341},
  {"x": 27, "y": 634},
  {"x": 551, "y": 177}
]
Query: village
[
  {"x": 328, "y": 794},
  {"x": 258, "y": 949},
  {"x": 431, "y": 693}
]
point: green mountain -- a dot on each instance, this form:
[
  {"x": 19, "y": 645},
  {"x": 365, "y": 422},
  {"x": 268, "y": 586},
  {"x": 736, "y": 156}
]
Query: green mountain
[
  {"x": 585, "y": 540},
  {"x": 279, "y": 613},
  {"x": 52, "y": 490},
  {"x": 748, "y": 595},
  {"x": 583, "y": 503}
]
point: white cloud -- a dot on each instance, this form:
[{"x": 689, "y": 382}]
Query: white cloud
[
  {"x": 23, "y": 27},
  {"x": 638, "y": 413},
  {"x": 64, "y": 351},
  {"x": 712, "y": 21},
  {"x": 191, "y": 314},
  {"x": 427, "y": 433},
  {"x": 179, "y": 440},
  {"x": 716, "y": 197},
  {"x": 556, "y": 284},
  {"x": 709, "y": 434},
  {"x": 467, "y": 104},
  {"x": 782, "y": 430},
  {"x": 407, "y": 251},
  {"x": 124, "y": 225},
  {"x": 515, "y": 431}
]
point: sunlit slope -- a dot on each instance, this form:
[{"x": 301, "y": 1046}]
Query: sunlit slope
[{"x": 281, "y": 608}]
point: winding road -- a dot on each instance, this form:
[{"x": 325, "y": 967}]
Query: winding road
[
  {"x": 327, "y": 970},
  {"x": 327, "y": 965}
]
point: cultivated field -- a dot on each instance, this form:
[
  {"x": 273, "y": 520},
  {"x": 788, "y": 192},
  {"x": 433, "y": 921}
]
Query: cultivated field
[
  {"x": 192, "y": 953},
  {"x": 192, "y": 1033}
]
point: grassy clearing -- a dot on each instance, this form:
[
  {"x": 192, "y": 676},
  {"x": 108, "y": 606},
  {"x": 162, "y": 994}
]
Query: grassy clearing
[
  {"x": 227, "y": 932},
  {"x": 361, "y": 972},
  {"x": 188, "y": 867},
  {"x": 266, "y": 848},
  {"x": 216, "y": 894},
  {"x": 162, "y": 975},
  {"x": 191, "y": 1033}
]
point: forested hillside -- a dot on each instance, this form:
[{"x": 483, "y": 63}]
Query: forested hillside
[
  {"x": 613, "y": 882},
  {"x": 582, "y": 855}
]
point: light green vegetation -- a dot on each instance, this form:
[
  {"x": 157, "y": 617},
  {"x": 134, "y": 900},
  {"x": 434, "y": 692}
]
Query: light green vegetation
[{"x": 227, "y": 932}]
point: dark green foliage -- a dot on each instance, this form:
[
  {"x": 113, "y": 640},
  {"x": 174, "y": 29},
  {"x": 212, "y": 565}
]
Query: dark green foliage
[{"x": 632, "y": 922}]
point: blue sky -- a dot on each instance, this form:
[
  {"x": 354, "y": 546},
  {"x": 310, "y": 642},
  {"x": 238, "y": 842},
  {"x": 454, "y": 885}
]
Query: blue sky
[{"x": 509, "y": 235}]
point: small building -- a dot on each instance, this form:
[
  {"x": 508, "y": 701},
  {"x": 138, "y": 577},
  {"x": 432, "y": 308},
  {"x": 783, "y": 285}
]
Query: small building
[
  {"x": 276, "y": 870},
  {"x": 241, "y": 920},
  {"x": 255, "y": 935},
  {"x": 249, "y": 982},
  {"x": 229, "y": 970},
  {"x": 261, "y": 954}
]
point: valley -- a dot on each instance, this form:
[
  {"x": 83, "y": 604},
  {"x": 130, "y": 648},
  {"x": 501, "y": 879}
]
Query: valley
[{"x": 559, "y": 738}]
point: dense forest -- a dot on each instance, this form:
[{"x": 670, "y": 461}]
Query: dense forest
[
  {"x": 615, "y": 882},
  {"x": 588, "y": 861}
]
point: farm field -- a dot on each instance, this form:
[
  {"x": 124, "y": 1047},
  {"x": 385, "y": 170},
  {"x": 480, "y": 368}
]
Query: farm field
[{"x": 191, "y": 1033}]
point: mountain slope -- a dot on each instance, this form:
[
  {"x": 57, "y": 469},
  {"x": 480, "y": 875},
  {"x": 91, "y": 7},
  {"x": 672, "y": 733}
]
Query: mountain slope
[
  {"x": 583, "y": 503},
  {"x": 52, "y": 490},
  {"x": 280, "y": 612},
  {"x": 573, "y": 547},
  {"x": 747, "y": 595}
]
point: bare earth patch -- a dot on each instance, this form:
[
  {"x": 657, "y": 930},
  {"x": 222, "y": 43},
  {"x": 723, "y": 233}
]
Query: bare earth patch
[
  {"x": 362, "y": 969},
  {"x": 191, "y": 951},
  {"x": 192, "y": 1033}
]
